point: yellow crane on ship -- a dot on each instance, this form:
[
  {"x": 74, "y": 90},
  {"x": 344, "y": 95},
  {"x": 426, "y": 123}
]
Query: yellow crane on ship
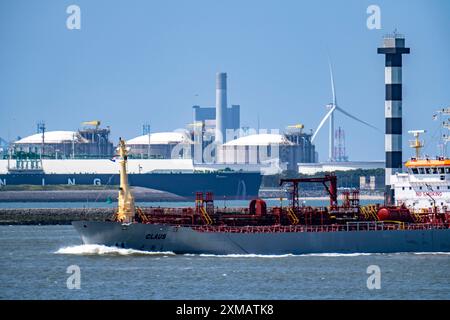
[{"x": 126, "y": 208}]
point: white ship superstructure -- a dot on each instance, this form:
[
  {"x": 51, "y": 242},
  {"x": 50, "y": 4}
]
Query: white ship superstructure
[{"x": 425, "y": 184}]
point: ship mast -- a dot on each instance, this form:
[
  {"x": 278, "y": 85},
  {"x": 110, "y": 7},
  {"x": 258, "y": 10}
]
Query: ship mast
[
  {"x": 416, "y": 143},
  {"x": 126, "y": 209},
  {"x": 445, "y": 124}
]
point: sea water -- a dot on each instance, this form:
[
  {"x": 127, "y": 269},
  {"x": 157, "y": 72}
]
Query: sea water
[{"x": 37, "y": 262}]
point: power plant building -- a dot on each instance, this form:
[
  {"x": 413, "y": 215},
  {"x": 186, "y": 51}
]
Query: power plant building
[
  {"x": 232, "y": 145},
  {"x": 219, "y": 117},
  {"x": 208, "y": 116}
]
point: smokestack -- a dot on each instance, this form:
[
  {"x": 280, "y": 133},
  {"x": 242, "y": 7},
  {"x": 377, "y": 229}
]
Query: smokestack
[
  {"x": 221, "y": 107},
  {"x": 393, "y": 48}
]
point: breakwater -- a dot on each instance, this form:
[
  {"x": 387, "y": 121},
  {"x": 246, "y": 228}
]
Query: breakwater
[
  {"x": 52, "y": 216},
  {"x": 140, "y": 194}
]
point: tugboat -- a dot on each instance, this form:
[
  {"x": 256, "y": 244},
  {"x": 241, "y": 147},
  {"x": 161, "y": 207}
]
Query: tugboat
[{"x": 295, "y": 229}]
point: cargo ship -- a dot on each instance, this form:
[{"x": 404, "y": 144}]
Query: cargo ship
[
  {"x": 401, "y": 224},
  {"x": 295, "y": 229},
  {"x": 181, "y": 180}
]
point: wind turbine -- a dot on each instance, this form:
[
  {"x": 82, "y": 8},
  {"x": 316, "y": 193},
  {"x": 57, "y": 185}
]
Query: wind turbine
[{"x": 332, "y": 107}]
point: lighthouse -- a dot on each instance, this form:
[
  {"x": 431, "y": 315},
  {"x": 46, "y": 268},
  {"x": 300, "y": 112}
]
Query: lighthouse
[{"x": 393, "y": 48}]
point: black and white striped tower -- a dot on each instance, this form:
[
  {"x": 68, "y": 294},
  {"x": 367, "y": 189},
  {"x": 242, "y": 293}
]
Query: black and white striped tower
[{"x": 393, "y": 48}]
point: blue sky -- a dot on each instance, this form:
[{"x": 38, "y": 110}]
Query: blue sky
[{"x": 136, "y": 62}]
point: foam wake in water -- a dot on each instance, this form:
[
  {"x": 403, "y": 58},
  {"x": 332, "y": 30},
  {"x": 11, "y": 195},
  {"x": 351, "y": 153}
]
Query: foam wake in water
[
  {"x": 375, "y": 254},
  {"x": 247, "y": 255},
  {"x": 433, "y": 253},
  {"x": 95, "y": 249},
  {"x": 281, "y": 255},
  {"x": 356, "y": 254}
]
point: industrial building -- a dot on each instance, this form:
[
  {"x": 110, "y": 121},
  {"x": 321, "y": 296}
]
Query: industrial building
[
  {"x": 3, "y": 147},
  {"x": 84, "y": 143},
  {"x": 287, "y": 149},
  {"x": 304, "y": 150},
  {"x": 256, "y": 149},
  {"x": 98, "y": 140},
  {"x": 161, "y": 145},
  {"x": 371, "y": 183}
]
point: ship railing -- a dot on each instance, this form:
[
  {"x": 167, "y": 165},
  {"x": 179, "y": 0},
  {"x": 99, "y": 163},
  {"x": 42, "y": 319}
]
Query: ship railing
[
  {"x": 366, "y": 226},
  {"x": 350, "y": 226}
]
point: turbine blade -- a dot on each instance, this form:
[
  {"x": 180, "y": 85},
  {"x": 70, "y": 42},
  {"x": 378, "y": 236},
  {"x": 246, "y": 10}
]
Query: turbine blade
[
  {"x": 357, "y": 119},
  {"x": 333, "y": 90},
  {"x": 322, "y": 123}
]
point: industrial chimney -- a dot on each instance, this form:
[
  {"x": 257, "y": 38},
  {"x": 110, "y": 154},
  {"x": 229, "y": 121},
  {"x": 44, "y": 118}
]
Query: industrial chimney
[
  {"x": 221, "y": 107},
  {"x": 393, "y": 48}
]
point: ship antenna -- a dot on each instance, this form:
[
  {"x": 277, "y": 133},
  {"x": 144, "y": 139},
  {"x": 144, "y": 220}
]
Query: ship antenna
[
  {"x": 126, "y": 208},
  {"x": 444, "y": 112},
  {"x": 416, "y": 143}
]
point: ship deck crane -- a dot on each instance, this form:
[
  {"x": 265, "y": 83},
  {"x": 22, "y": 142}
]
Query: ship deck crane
[
  {"x": 331, "y": 188},
  {"x": 126, "y": 209}
]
